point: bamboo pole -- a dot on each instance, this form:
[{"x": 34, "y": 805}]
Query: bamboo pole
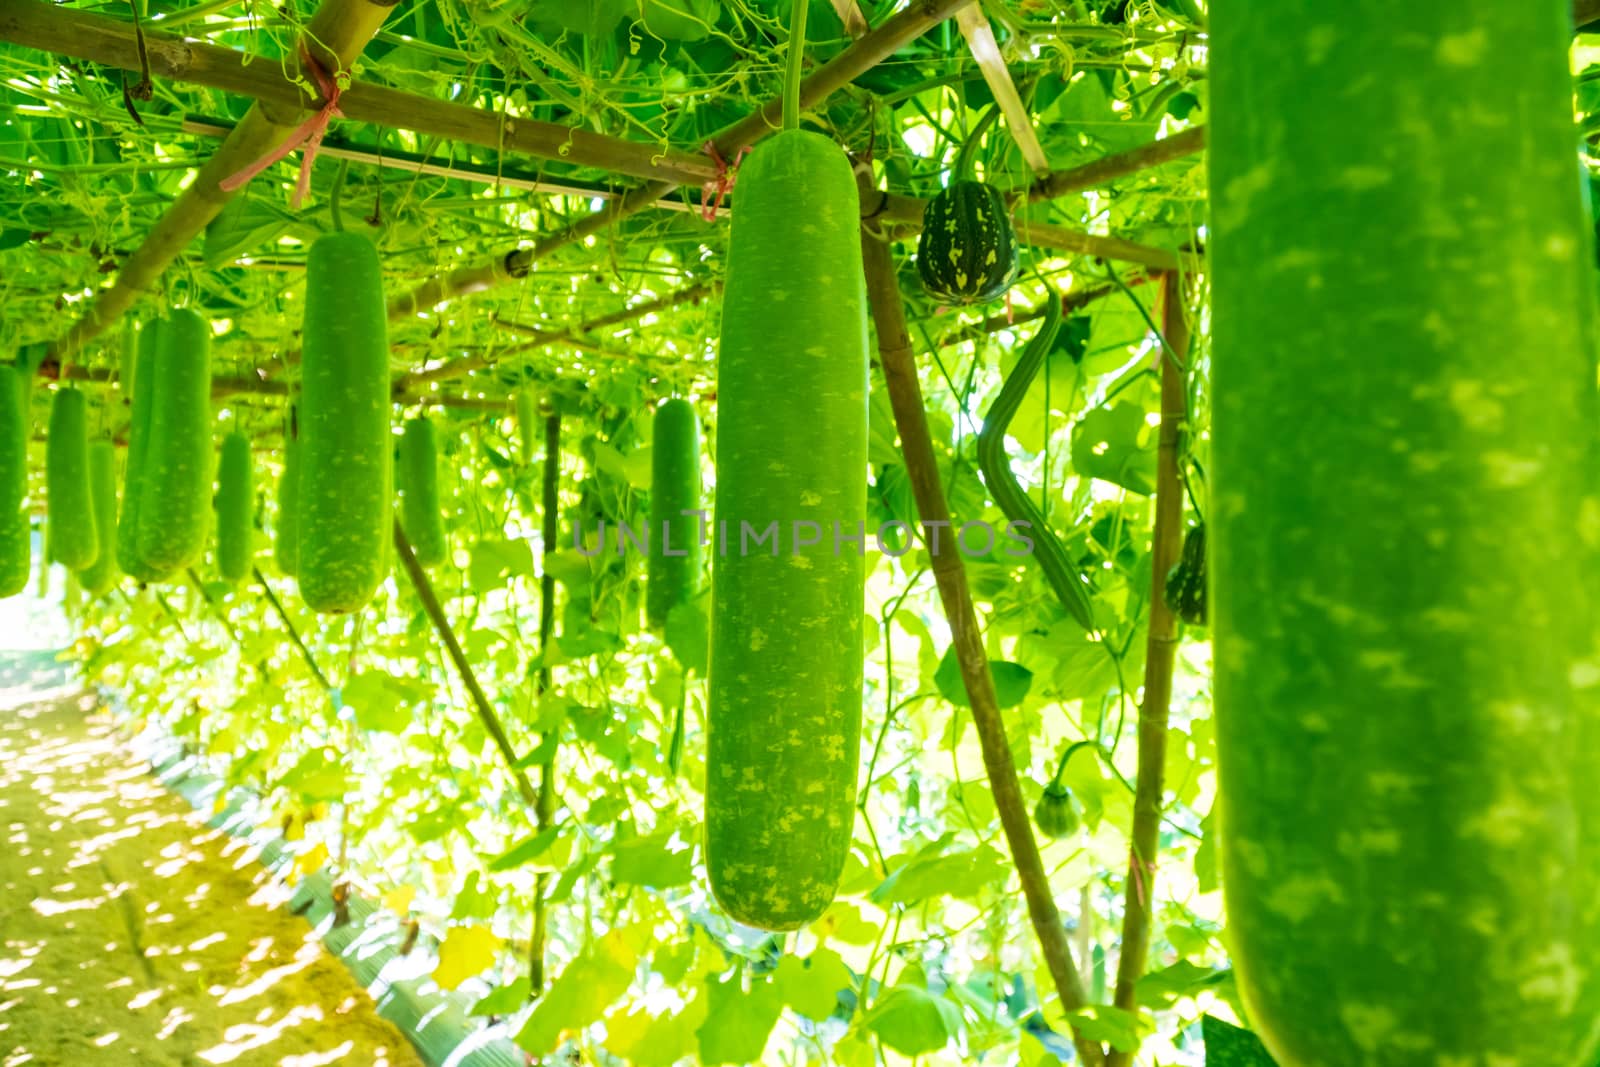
[
  {"x": 1161, "y": 645},
  {"x": 334, "y": 37},
  {"x": 469, "y": 678},
  {"x": 545, "y": 808},
  {"x": 294, "y": 633},
  {"x": 111, "y": 41},
  {"x": 574, "y": 337},
  {"x": 922, "y": 466},
  {"x": 225, "y": 387},
  {"x": 901, "y": 216},
  {"x": 416, "y": 163},
  {"x": 1119, "y": 165}
]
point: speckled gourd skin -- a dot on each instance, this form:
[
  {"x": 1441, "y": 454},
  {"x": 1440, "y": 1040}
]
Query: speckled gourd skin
[
  {"x": 284, "y": 532},
  {"x": 674, "y": 491},
  {"x": 1403, "y": 535},
  {"x": 418, "y": 477},
  {"x": 236, "y": 508},
  {"x": 530, "y": 426},
  {"x": 129, "y": 558},
  {"x": 344, "y": 496},
  {"x": 103, "y": 573},
  {"x": 16, "y": 545},
  {"x": 786, "y": 651},
  {"x": 66, "y": 470},
  {"x": 174, "y": 517}
]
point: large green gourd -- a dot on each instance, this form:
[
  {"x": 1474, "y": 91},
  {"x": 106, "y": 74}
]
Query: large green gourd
[
  {"x": 676, "y": 563},
  {"x": 174, "y": 516},
  {"x": 101, "y": 575},
  {"x": 786, "y": 638},
  {"x": 70, "y": 500},
  {"x": 344, "y": 499},
  {"x": 530, "y": 427},
  {"x": 1403, "y": 533},
  {"x": 129, "y": 558},
  {"x": 284, "y": 533},
  {"x": 15, "y": 538},
  {"x": 236, "y": 508},
  {"x": 418, "y": 482}
]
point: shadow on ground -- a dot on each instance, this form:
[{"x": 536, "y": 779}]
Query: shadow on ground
[{"x": 131, "y": 932}]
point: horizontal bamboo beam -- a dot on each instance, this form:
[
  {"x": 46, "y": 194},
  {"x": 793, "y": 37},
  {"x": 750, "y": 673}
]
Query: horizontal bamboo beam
[
  {"x": 335, "y": 36},
  {"x": 865, "y": 53},
  {"x": 1119, "y": 165},
  {"x": 112, "y": 41},
  {"x": 224, "y": 387},
  {"x": 901, "y": 216},
  {"x": 416, "y": 163}
]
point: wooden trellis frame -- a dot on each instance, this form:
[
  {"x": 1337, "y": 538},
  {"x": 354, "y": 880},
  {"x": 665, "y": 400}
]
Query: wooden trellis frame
[
  {"x": 334, "y": 37},
  {"x": 112, "y": 42}
]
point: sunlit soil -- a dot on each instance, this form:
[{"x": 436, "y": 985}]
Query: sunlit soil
[{"x": 132, "y": 933}]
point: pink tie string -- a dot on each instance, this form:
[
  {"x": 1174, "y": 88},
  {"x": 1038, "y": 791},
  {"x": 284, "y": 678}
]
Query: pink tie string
[
  {"x": 722, "y": 184},
  {"x": 309, "y": 133}
]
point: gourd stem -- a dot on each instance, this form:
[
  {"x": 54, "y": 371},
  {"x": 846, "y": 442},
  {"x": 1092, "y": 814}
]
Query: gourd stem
[
  {"x": 962, "y": 170},
  {"x": 791, "y": 81},
  {"x": 338, "y": 194},
  {"x": 1066, "y": 757}
]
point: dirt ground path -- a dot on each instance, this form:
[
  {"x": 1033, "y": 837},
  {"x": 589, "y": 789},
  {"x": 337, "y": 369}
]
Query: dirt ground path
[{"x": 130, "y": 932}]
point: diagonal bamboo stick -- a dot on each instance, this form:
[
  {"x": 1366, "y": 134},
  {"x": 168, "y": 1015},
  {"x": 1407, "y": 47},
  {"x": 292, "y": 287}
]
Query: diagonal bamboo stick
[
  {"x": 335, "y": 36},
  {"x": 480, "y": 702},
  {"x": 911, "y": 420},
  {"x": 574, "y": 337},
  {"x": 986, "y": 51}
]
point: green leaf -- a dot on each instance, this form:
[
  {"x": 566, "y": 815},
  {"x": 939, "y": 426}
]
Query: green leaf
[
  {"x": 243, "y": 226},
  {"x": 679, "y": 20},
  {"x": 546, "y": 748},
  {"x": 960, "y": 874},
  {"x": 1108, "y": 1025},
  {"x": 494, "y": 562},
  {"x": 647, "y": 1038},
  {"x": 1011, "y": 681},
  {"x": 913, "y": 1021},
  {"x": 319, "y": 775},
  {"x": 505, "y": 999},
  {"x": 688, "y": 634},
  {"x": 1116, "y": 445},
  {"x": 738, "y": 1023},
  {"x": 526, "y": 850},
  {"x": 589, "y": 985},
  {"x": 1160, "y": 989},
  {"x": 1229, "y": 1046},
  {"x": 811, "y": 986},
  {"x": 591, "y": 18},
  {"x": 660, "y": 861},
  {"x": 379, "y": 701},
  {"x": 569, "y": 567},
  {"x": 474, "y": 900}
]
